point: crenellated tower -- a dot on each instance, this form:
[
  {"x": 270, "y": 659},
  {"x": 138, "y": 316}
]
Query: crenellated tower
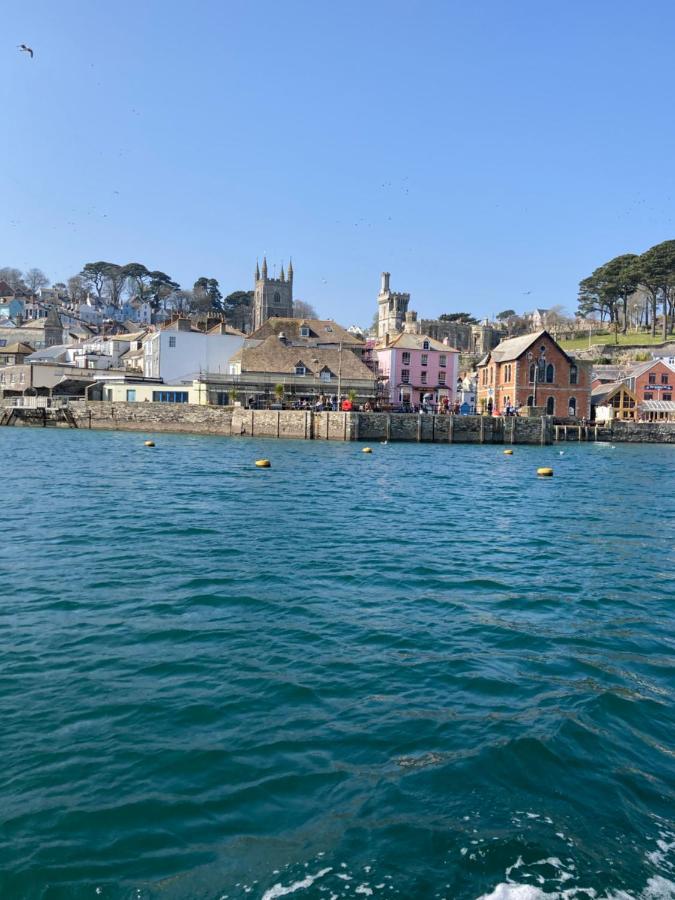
[
  {"x": 273, "y": 297},
  {"x": 391, "y": 307}
]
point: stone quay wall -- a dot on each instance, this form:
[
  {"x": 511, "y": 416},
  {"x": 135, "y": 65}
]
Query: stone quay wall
[
  {"x": 152, "y": 417},
  {"x": 356, "y": 426},
  {"x": 307, "y": 425}
]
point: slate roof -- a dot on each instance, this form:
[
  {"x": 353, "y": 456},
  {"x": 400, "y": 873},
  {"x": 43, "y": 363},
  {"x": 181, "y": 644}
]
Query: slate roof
[
  {"x": 605, "y": 391},
  {"x": 320, "y": 330},
  {"x": 273, "y": 355},
  {"x": 406, "y": 341},
  {"x": 17, "y": 348},
  {"x": 514, "y": 348}
]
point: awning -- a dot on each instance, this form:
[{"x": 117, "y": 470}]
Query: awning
[{"x": 667, "y": 406}]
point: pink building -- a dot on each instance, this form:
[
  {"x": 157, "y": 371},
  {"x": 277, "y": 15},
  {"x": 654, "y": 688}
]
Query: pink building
[{"x": 416, "y": 370}]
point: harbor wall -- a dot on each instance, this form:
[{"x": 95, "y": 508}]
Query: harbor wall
[
  {"x": 300, "y": 424},
  {"x": 355, "y": 426}
]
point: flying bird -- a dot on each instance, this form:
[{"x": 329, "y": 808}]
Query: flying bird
[{"x": 25, "y": 49}]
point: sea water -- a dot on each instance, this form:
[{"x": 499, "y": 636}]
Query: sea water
[{"x": 423, "y": 672}]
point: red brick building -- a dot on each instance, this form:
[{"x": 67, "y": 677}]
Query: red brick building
[
  {"x": 533, "y": 370},
  {"x": 653, "y": 380}
]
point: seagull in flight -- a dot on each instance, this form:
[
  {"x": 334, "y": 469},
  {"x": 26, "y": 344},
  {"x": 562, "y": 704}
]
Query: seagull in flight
[{"x": 25, "y": 49}]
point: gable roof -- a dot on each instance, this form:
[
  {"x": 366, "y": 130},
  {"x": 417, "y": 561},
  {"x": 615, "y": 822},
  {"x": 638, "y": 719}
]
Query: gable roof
[
  {"x": 604, "y": 392},
  {"x": 320, "y": 330},
  {"x": 514, "y": 348},
  {"x": 643, "y": 367},
  {"x": 407, "y": 341},
  {"x": 274, "y": 356},
  {"x": 5, "y": 290}
]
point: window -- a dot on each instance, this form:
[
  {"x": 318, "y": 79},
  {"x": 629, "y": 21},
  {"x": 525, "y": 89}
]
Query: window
[
  {"x": 550, "y": 406},
  {"x": 329, "y": 329},
  {"x": 277, "y": 297},
  {"x": 131, "y": 395},
  {"x": 300, "y": 369},
  {"x": 169, "y": 396},
  {"x": 532, "y": 371},
  {"x": 425, "y": 345},
  {"x": 442, "y": 360},
  {"x": 423, "y": 377},
  {"x": 2, "y": 377},
  {"x": 664, "y": 379},
  {"x": 667, "y": 396},
  {"x": 406, "y": 358},
  {"x": 405, "y": 376},
  {"x": 304, "y": 331},
  {"x": 574, "y": 374},
  {"x": 506, "y": 374},
  {"x": 550, "y": 372},
  {"x": 441, "y": 377},
  {"x": 652, "y": 378},
  {"x": 425, "y": 359},
  {"x": 3, "y": 342},
  {"x": 648, "y": 396},
  {"x": 572, "y": 406},
  {"x": 530, "y": 400},
  {"x": 172, "y": 342},
  {"x": 326, "y": 375}
]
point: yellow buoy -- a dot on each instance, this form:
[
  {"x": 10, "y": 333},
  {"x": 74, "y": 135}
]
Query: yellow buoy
[
  {"x": 508, "y": 453},
  {"x": 546, "y": 472},
  {"x": 366, "y": 450},
  {"x": 263, "y": 463},
  {"x": 149, "y": 443}
]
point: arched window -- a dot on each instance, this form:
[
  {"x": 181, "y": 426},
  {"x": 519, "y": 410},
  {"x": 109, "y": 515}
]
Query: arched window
[
  {"x": 573, "y": 406},
  {"x": 532, "y": 371},
  {"x": 550, "y": 406},
  {"x": 277, "y": 297},
  {"x": 425, "y": 345},
  {"x": 530, "y": 400},
  {"x": 574, "y": 374},
  {"x": 549, "y": 374}
]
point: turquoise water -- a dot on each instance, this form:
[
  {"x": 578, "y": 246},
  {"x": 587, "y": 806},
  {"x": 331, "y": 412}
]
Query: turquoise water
[{"x": 420, "y": 673}]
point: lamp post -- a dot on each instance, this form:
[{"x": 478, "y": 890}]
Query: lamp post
[{"x": 540, "y": 362}]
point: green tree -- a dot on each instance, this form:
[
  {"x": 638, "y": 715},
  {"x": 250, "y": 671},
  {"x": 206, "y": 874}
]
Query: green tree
[
  {"x": 206, "y": 293},
  {"x": 505, "y": 314},
  {"x": 655, "y": 271},
  {"x": 94, "y": 275},
  {"x": 462, "y": 318}
]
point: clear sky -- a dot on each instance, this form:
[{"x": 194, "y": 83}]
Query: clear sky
[{"x": 476, "y": 150}]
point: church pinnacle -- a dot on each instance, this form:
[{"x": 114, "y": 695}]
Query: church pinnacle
[{"x": 264, "y": 267}]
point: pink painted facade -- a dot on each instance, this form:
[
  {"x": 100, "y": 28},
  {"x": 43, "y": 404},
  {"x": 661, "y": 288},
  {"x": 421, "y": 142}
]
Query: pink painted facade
[{"x": 417, "y": 370}]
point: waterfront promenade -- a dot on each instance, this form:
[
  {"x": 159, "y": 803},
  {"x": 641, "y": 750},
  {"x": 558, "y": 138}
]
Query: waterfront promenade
[{"x": 335, "y": 426}]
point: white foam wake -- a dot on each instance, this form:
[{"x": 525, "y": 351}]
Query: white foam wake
[
  {"x": 280, "y": 890},
  {"x": 657, "y": 888}
]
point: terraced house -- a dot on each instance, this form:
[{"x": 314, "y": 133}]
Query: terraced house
[{"x": 533, "y": 370}]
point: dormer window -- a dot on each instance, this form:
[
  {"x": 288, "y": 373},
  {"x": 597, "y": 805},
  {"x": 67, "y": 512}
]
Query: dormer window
[
  {"x": 304, "y": 331},
  {"x": 425, "y": 345},
  {"x": 326, "y": 374},
  {"x": 300, "y": 369},
  {"x": 329, "y": 329}
]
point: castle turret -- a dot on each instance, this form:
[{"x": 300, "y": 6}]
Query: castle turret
[{"x": 391, "y": 307}]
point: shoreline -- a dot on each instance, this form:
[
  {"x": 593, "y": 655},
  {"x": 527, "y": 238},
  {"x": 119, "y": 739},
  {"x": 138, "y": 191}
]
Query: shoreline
[{"x": 336, "y": 426}]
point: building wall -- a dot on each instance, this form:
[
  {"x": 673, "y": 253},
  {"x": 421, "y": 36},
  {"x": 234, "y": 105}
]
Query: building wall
[
  {"x": 391, "y": 365},
  {"x": 663, "y": 387},
  {"x": 172, "y": 355}
]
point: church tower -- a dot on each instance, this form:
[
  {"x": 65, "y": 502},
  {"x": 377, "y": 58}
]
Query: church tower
[
  {"x": 273, "y": 297},
  {"x": 391, "y": 309}
]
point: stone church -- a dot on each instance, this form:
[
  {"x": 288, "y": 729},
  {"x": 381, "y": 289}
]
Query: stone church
[{"x": 273, "y": 297}]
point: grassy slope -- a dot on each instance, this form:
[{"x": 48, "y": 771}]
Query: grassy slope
[{"x": 634, "y": 339}]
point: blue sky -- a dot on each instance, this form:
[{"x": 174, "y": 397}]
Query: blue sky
[{"x": 475, "y": 150}]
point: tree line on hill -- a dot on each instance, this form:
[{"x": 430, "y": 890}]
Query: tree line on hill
[
  {"x": 113, "y": 283},
  {"x": 633, "y": 287}
]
